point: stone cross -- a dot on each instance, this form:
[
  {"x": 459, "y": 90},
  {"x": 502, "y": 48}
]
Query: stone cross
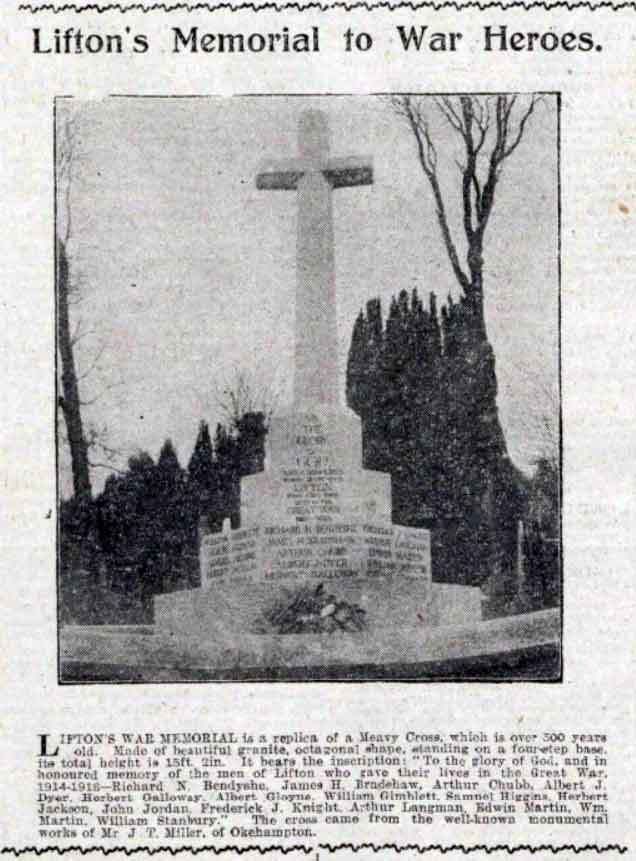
[{"x": 313, "y": 176}]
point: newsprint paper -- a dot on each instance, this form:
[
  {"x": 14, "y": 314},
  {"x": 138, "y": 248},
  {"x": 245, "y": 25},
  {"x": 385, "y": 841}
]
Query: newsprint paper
[{"x": 317, "y": 466}]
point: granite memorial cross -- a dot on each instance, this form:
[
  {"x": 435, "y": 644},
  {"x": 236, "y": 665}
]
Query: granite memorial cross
[
  {"x": 313, "y": 175},
  {"x": 314, "y": 520}
]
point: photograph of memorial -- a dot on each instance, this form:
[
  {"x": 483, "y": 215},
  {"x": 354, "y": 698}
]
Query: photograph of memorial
[{"x": 308, "y": 388}]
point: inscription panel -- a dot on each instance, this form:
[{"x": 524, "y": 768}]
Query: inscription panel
[
  {"x": 309, "y": 551},
  {"x": 234, "y": 554},
  {"x": 313, "y": 491},
  {"x": 304, "y": 552},
  {"x": 343, "y": 550},
  {"x": 382, "y": 568},
  {"x": 311, "y": 440}
]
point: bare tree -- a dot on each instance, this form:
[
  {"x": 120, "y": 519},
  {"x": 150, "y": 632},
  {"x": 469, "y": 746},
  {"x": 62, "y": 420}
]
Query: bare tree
[
  {"x": 244, "y": 393},
  {"x": 489, "y": 129},
  {"x": 87, "y": 444},
  {"x": 69, "y": 398}
]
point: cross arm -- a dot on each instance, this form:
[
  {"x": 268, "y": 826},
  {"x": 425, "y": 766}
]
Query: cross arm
[
  {"x": 341, "y": 172},
  {"x": 346, "y": 172},
  {"x": 280, "y": 175}
]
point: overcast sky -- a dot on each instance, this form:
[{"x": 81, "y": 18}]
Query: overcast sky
[{"x": 188, "y": 272}]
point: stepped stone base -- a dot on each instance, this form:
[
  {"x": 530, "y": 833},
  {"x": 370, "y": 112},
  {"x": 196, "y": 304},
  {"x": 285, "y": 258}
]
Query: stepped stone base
[
  {"x": 496, "y": 647},
  {"x": 222, "y": 615},
  {"x": 314, "y": 518}
]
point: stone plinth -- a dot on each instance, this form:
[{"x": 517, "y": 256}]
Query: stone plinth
[
  {"x": 314, "y": 516},
  {"x": 484, "y": 649},
  {"x": 237, "y": 607},
  {"x": 313, "y": 472},
  {"x": 310, "y": 431},
  {"x": 379, "y": 568}
]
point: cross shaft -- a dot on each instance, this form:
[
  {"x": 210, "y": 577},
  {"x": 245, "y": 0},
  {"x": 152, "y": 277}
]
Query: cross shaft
[{"x": 313, "y": 175}]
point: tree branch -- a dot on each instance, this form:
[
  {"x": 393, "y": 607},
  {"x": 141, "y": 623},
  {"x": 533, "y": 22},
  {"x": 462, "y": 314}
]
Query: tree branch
[
  {"x": 471, "y": 167},
  {"x": 486, "y": 129},
  {"x": 99, "y": 395},
  {"x": 428, "y": 161},
  {"x": 447, "y": 109},
  {"x": 93, "y": 364},
  {"x": 483, "y": 123},
  {"x": 522, "y": 125}
]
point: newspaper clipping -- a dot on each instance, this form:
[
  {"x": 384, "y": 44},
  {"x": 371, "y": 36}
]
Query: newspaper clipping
[{"x": 318, "y": 446}]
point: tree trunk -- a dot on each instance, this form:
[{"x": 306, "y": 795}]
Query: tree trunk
[
  {"x": 70, "y": 399},
  {"x": 476, "y": 296}
]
